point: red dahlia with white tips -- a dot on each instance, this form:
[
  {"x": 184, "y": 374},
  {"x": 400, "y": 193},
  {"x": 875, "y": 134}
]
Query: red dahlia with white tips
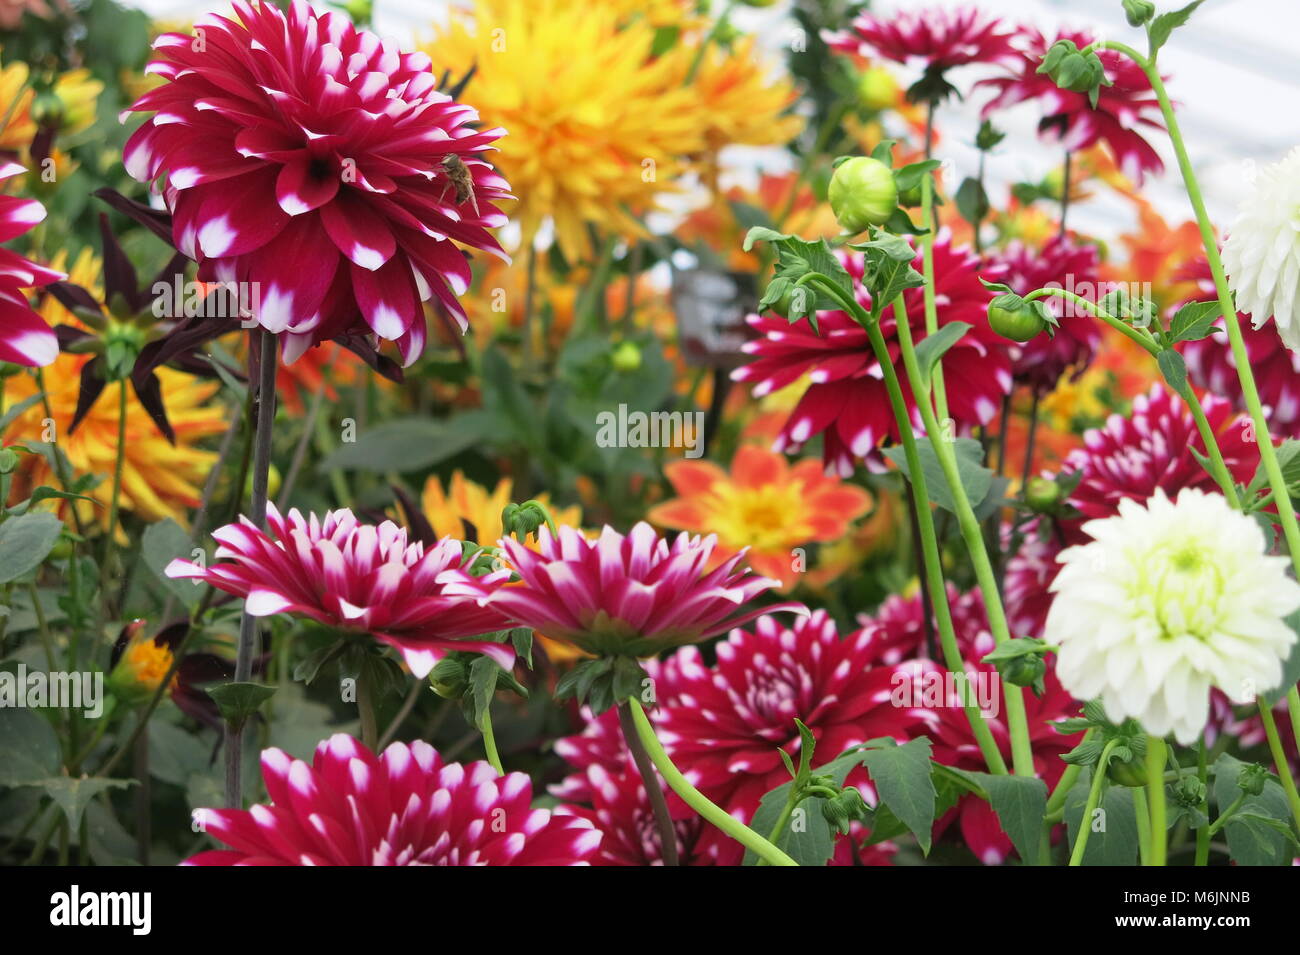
[
  {"x": 1123, "y": 109},
  {"x": 354, "y": 577},
  {"x": 846, "y": 401},
  {"x": 404, "y": 807},
  {"x": 899, "y": 622},
  {"x": 25, "y": 339},
  {"x": 632, "y": 594},
  {"x": 302, "y": 154},
  {"x": 725, "y": 723},
  {"x": 937, "y": 38}
]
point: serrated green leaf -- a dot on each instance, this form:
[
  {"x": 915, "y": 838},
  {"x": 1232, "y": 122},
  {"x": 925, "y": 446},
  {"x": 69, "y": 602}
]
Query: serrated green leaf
[
  {"x": 1194, "y": 321},
  {"x": 1162, "y": 26},
  {"x": 901, "y": 775},
  {"x": 975, "y": 477},
  {"x": 1174, "y": 368},
  {"x": 238, "y": 701}
]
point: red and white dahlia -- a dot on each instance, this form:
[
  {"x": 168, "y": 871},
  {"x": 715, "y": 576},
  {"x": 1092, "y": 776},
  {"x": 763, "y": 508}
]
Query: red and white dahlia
[
  {"x": 354, "y": 577},
  {"x": 1123, "y": 108},
  {"x": 404, "y": 807},
  {"x": 309, "y": 157},
  {"x": 937, "y": 38},
  {"x": 846, "y": 401},
  {"x": 725, "y": 723},
  {"x": 632, "y": 594},
  {"x": 1062, "y": 263},
  {"x": 900, "y": 621},
  {"x": 25, "y": 338}
]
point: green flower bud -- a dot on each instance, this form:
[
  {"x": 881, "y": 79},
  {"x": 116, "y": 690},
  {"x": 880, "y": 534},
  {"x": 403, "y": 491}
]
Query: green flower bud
[
  {"x": 1128, "y": 772},
  {"x": 1014, "y": 318},
  {"x": 1043, "y": 495},
  {"x": 47, "y": 109},
  {"x": 626, "y": 357},
  {"x": 877, "y": 89},
  {"x": 1252, "y": 778},
  {"x": 1188, "y": 792},
  {"x": 449, "y": 678},
  {"x": 1023, "y": 670},
  {"x": 8, "y": 460},
  {"x": 1138, "y": 12},
  {"x": 862, "y": 193}
]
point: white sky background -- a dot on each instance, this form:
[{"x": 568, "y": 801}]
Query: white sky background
[{"x": 1234, "y": 74}]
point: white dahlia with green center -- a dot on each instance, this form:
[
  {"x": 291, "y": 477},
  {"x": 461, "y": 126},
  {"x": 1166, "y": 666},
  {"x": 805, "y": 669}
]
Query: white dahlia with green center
[
  {"x": 1262, "y": 251},
  {"x": 1171, "y": 599}
]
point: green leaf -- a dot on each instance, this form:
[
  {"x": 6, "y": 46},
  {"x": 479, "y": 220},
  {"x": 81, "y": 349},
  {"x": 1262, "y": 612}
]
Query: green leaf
[
  {"x": 931, "y": 349},
  {"x": 413, "y": 444},
  {"x": 29, "y": 749},
  {"x": 975, "y": 477},
  {"x": 1174, "y": 368},
  {"x": 1194, "y": 321},
  {"x": 910, "y": 176},
  {"x": 26, "y": 541},
  {"x": 238, "y": 701},
  {"x": 797, "y": 258},
  {"x": 160, "y": 544},
  {"x": 1117, "y": 845},
  {"x": 44, "y": 493},
  {"x": 1020, "y": 803},
  {"x": 1165, "y": 24},
  {"x": 73, "y": 795},
  {"x": 11, "y": 413},
  {"x": 482, "y": 685},
  {"x": 901, "y": 775},
  {"x": 972, "y": 201}
]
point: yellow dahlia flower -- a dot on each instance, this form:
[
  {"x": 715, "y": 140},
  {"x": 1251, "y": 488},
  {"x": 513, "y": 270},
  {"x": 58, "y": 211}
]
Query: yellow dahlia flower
[
  {"x": 466, "y": 510},
  {"x": 598, "y": 126}
]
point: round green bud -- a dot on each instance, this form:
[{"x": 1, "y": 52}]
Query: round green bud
[
  {"x": 1042, "y": 494},
  {"x": 1252, "y": 778},
  {"x": 1023, "y": 670},
  {"x": 626, "y": 357},
  {"x": 1019, "y": 323},
  {"x": 862, "y": 193},
  {"x": 1131, "y": 772},
  {"x": 877, "y": 88},
  {"x": 449, "y": 678}
]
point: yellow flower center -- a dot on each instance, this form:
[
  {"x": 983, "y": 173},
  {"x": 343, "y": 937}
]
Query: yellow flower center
[
  {"x": 149, "y": 662},
  {"x": 765, "y": 518}
]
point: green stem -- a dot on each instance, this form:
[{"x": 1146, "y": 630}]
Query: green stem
[
  {"x": 927, "y": 265},
  {"x": 697, "y": 800},
  {"x": 1142, "y": 811},
  {"x": 1155, "y": 766},
  {"x": 105, "y": 572},
  {"x": 1241, "y": 359},
  {"x": 931, "y": 562},
  {"x": 1203, "y": 833},
  {"x": 490, "y": 742},
  {"x": 1022, "y": 755},
  {"x": 1094, "y": 797},
  {"x": 1224, "y": 817},
  {"x": 1123, "y": 328},
  {"x": 1279, "y": 760}
]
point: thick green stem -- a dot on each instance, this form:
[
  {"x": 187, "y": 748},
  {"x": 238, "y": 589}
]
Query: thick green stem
[
  {"x": 927, "y": 265},
  {"x": 1022, "y": 755},
  {"x": 697, "y": 800},
  {"x": 1279, "y": 760},
  {"x": 1203, "y": 833},
  {"x": 110, "y": 539},
  {"x": 1155, "y": 766},
  {"x": 1089, "y": 807},
  {"x": 1143, "y": 813},
  {"x": 928, "y": 540}
]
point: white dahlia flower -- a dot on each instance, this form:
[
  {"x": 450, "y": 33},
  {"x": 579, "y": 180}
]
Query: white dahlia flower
[
  {"x": 1262, "y": 252},
  {"x": 1170, "y": 600}
]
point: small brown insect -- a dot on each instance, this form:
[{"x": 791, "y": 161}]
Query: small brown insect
[{"x": 460, "y": 179}]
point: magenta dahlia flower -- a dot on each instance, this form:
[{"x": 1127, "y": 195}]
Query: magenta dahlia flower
[
  {"x": 309, "y": 157},
  {"x": 898, "y": 622},
  {"x": 403, "y": 807},
  {"x": 726, "y": 722},
  {"x": 1123, "y": 108},
  {"x": 25, "y": 338},
  {"x": 631, "y": 594},
  {"x": 354, "y": 577},
  {"x": 1041, "y": 361},
  {"x": 936, "y": 38},
  {"x": 1128, "y": 458},
  {"x": 846, "y": 401},
  {"x": 1210, "y": 364}
]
